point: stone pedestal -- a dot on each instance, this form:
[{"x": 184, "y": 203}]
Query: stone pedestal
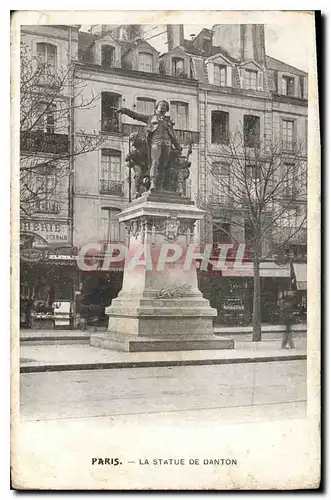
[{"x": 160, "y": 307}]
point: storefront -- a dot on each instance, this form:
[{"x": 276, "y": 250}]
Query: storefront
[
  {"x": 48, "y": 276},
  {"x": 230, "y": 292}
]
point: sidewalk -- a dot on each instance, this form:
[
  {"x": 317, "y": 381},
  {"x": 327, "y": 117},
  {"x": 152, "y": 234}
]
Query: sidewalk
[{"x": 42, "y": 358}]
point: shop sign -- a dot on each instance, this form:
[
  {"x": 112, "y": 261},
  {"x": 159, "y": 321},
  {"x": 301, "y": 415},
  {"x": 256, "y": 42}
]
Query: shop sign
[{"x": 51, "y": 232}]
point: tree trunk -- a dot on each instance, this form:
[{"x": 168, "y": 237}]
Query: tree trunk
[{"x": 256, "y": 303}]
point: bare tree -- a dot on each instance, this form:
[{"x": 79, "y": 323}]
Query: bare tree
[
  {"x": 49, "y": 97},
  {"x": 262, "y": 188}
]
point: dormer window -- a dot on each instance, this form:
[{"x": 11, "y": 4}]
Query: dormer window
[
  {"x": 107, "y": 56},
  {"x": 177, "y": 66},
  {"x": 219, "y": 75},
  {"x": 250, "y": 79},
  {"x": 288, "y": 85},
  {"x": 145, "y": 62}
]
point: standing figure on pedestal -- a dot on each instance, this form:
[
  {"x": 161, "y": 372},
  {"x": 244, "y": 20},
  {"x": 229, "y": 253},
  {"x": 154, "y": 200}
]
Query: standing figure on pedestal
[{"x": 161, "y": 140}]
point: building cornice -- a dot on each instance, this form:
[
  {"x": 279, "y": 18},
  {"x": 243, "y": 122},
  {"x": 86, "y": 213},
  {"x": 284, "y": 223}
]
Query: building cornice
[{"x": 133, "y": 74}]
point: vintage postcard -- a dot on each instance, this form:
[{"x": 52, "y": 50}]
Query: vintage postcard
[{"x": 165, "y": 251}]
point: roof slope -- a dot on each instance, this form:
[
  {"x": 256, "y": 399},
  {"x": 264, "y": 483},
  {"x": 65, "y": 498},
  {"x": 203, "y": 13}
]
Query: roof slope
[{"x": 277, "y": 65}]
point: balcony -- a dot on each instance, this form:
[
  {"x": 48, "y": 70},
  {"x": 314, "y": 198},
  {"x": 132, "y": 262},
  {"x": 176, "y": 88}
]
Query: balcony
[
  {"x": 42, "y": 142},
  {"x": 184, "y": 136},
  {"x": 111, "y": 187}
]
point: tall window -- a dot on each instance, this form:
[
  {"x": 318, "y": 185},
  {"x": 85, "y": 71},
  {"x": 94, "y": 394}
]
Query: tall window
[
  {"x": 109, "y": 119},
  {"x": 46, "y": 56},
  {"x": 177, "y": 66},
  {"x": 145, "y": 62},
  {"x": 249, "y": 232},
  {"x": 45, "y": 116},
  {"x": 288, "y": 134},
  {"x": 219, "y": 75},
  {"x": 110, "y": 230},
  {"x": 220, "y": 189},
  {"x": 250, "y": 79},
  {"x": 288, "y": 85},
  {"x": 107, "y": 56},
  {"x": 179, "y": 114},
  {"x": 44, "y": 187},
  {"x": 146, "y": 106},
  {"x": 219, "y": 127},
  {"x": 251, "y": 131},
  {"x": 110, "y": 179}
]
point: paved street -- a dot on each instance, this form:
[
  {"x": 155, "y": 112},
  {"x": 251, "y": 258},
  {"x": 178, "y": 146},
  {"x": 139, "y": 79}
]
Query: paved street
[{"x": 172, "y": 392}]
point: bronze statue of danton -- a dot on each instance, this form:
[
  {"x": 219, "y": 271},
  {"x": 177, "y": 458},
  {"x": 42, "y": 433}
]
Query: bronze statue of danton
[{"x": 157, "y": 156}]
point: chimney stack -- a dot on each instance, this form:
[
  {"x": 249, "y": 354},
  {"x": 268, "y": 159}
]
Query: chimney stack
[
  {"x": 241, "y": 41},
  {"x": 175, "y": 35}
]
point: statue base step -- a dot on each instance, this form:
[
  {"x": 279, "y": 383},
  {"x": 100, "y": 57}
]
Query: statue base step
[{"x": 134, "y": 343}]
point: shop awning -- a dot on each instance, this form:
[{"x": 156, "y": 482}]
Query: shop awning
[{"x": 300, "y": 274}]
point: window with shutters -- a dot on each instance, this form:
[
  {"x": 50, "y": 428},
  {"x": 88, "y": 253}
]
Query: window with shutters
[
  {"x": 107, "y": 56},
  {"x": 250, "y": 79},
  {"x": 220, "y": 75},
  {"x": 145, "y": 105},
  {"x": 251, "y": 131},
  {"x": 145, "y": 62},
  {"x": 288, "y": 85},
  {"x": 219, "y": 127},
  {"x": 179, "y": 114},
  {"x": 288, "y": 134},
  {"x": 110, "y": 178}
]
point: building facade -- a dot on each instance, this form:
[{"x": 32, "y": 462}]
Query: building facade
[{"x": 217, "y": 84}]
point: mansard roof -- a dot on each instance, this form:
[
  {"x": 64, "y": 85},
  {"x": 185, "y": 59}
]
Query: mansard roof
[{"x": 277, "y": 65}]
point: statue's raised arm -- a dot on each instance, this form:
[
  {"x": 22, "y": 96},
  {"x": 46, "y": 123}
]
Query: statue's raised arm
[{"x": 133, "y": 114}]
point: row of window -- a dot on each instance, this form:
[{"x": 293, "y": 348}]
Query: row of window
[
  {"x": 110, "y": 102},
  {"x": 220, "y": 130},
  {"x": 46, "y": 54}
]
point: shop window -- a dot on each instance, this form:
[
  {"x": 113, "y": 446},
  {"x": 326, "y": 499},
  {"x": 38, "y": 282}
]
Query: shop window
[
  {"x": 177, "y": 66},
  {"x": 219, "y": 127},
  {"x": 220, "y": 75},
  {"x": 107, "y": 56},
  {"x": 288, "y": 134},
  {"x": 110, "y": 179},
  {"x": 250, "y": 79},
  {"x": 145, "y": 62},
  {"x": 109, "y": 119},
  {"x": 179, "y": 114},
  {"x": 146, "y": 106},
  {"x": 288, "y": 85},
  {"x": 251, "y": 131}
]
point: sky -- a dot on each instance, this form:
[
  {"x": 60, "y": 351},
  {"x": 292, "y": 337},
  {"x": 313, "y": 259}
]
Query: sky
[{"x": 287, "y": 42}]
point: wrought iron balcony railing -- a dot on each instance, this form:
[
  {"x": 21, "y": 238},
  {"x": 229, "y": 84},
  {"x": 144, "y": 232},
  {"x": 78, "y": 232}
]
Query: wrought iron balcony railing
[
  {"x": 111, "y": 187},
  {"x": 41, "y": 142}
]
